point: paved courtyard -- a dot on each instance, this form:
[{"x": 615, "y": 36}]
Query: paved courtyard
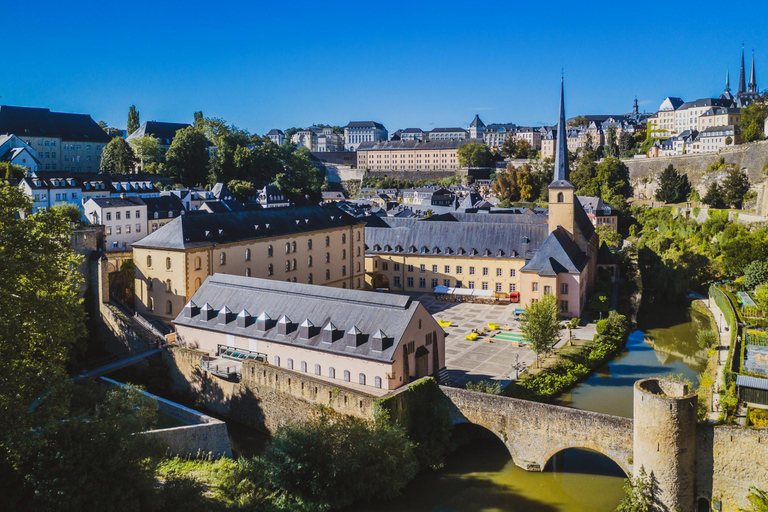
[{"x": 478, "y": 360}]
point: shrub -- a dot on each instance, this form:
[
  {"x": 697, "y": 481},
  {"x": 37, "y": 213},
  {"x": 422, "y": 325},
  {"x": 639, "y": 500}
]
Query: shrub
[
  {"x": 485, "y": 386},
  {"x": 575, "y": 322},
  {"x": 758, "y": 417},
  {"x": 707, "y": 338}
]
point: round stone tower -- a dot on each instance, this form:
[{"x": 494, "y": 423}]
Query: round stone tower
[{"x": 665, "y": 440}]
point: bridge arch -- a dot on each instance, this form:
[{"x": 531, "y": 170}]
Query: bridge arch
[{"x": 623, "y": 465}]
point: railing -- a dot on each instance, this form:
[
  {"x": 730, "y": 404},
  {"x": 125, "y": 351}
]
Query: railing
[
  {"x": 148, "y": 325},
  {"x": 240, "y": 354},
  {"x": 222, "y": 368}
]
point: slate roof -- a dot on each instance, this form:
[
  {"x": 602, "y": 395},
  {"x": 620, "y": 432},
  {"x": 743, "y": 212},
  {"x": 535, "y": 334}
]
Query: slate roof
[
  {"x": 490, "y": 236},
  {"x": 117, "y": 202},
  {"x": 447, "y": 130},
  {"x": 162, "y": 206},
  {"x": 346, "y": 309},
  {"x": 365, "y": 124},
  {"x": 163, "y": 131},
  {"x": 222, "y": 228},
  {"x": 41, "y": 122},
  {"x": 558, "y": 254},
  {"x": 275, "y": 131},
  {"x": 705, "y": 102},
  {"x": 476, "y": 122},
  {"x": 596, "y": 205}
]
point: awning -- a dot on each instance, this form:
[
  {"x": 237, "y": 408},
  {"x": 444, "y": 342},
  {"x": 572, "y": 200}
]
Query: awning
[{"x": 747, "y": 381}]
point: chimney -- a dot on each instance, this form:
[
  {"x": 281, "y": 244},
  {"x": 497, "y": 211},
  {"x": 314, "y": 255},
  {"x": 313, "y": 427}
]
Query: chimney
[
  {"x": 380, "y": 341},
  {"x": 191, "y": 310},
  {"x": 244, "y": 318},
  {"x": 263, "y": 322},
  {"x": 208, "y": 312},
  {"x": 225, "y": 315},
  {"x": 284, "y": 325},
  {"x": 354, "y": 337},
  {"x": 306, "y": 329}
]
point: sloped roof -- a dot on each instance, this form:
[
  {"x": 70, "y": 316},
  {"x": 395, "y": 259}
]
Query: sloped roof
[
  {"x": 162, "y": 206},
  {"x": 275, "y": 131},
  {"x": 605, "y": 256},
  {"x": 117, "y": 202},
  {"x": 221, "y": 228},
  {"x": 365, "y": 124},
  {"x": 163, "y": 131},
  {"x": 347, "y": 309},
  {"x": 41, "y": 122},
  {"x": 476, "y": 122},
  {"x": 558, "y": 254}
]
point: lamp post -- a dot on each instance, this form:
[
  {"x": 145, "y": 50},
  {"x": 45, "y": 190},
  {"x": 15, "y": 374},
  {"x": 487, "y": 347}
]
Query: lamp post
[{"x": 517, "y": 368}]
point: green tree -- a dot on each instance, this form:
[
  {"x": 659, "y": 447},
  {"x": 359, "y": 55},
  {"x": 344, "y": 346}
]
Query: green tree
[
  {"x": 340, "y": 461},
  {"x": 761, "y": 297},
  {"x": 199, "y": 118},
  {"x": 118, "y": 157},
  {"x": 242, "y": 190},
  {"x": 133, "y": 120},
  {"x": 578, "y": 121},
  {"x": 14, "y": 172},
  {"x": 610, "y": 149},
  {"x": 673, "y": 186},
  {"x": 485, "y": 386},
  {"x": 540, "y": 324},
  {"x": 758, "y": 500},
  {"x": 639, "y": 493},
  {"x": 714, "y": 197},
  {"x": 736, "y": 184},
  {"x": 147, "y": 150},
  {"x": 474, "y": 154},
  {"x": 299, "y": 177},
  {"x": 626, "y": 145},
  {"x": 505, "y": 185},
  {"x": 609, "y": 236},
  {"x": 69, "y": 211},
  {"x": 522, "y": 148},
  {"x": 756, "y": 273},
  {"x": 187, "y": 158},
  {"x": 752, "y": 121}
]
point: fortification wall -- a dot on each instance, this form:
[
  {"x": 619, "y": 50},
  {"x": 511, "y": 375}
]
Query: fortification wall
[
  {"x": 416, "y": 174},
  {"x": 266, "y": 397},
  {"x": 643, "y": 172}
]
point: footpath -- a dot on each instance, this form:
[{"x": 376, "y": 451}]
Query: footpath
[{"x": 722, "y": 355}]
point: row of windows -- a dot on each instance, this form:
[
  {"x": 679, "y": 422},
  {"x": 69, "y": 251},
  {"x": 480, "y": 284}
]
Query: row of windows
[
  {"x": 361, "y": 378},
  {"x": 119, "y": 230},
  {"x": 446, "y": 269},
  {"x": 127, "y": 214}
]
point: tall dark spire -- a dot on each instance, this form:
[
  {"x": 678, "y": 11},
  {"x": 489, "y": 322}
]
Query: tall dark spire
[
  {"x": 727, "y": 80},
  {"x": 561, "y": 149},
  {"x": 752, "y": 79},
  {"x": 742, "y": 78}
]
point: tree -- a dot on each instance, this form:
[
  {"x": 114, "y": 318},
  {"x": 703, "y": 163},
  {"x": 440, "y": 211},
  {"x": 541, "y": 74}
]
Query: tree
[
  {"x": 673, "y": 186},
  {"x": 540, "y": 324},
  {"x": 474, "y": 154},
  {"x": 14, "y": 172},
  {"x": 187, "y": 158},
  {"x": 578, "y": 121},
  {"x": 485, "y": 386},
  {"x": 509, "y": 148},
  {"x": 609, "y": 236},
  {"x": 505, "y": 186},
  {"x": 714, "y": 197},
  {"x": 69, "y": 211},
  {"x": 752, "y": 121},
  {"x": 337, "y": 461},
  {"x": 118, "y": 157},
  {"x": 242, "y": 190},
  {"x": 736, "y": 184},
  {"x": 761, "y": 297},
  {"x": 639, "y": 493},
  {"x": 610, "y": 149},
  {"x": 626, "y": 145},
  {"x": 756, "y": 273},
  {"x": 133, "y": 120},
  {"x": 147, "y": 150},
  {"x": 758, "y": 500}
]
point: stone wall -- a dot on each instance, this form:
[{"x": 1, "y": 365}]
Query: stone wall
[
  {"x": 266, "y": 396},
  {"x": 416, "y": 175},
  {"x": 336, "y": 173},
  {"x": 643, "y": 172},
  {"x": 534, "y": 432}
]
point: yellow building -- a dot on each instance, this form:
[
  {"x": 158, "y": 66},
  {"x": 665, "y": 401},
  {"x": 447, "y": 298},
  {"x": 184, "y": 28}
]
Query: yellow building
[
  {"x": 410, "y": 155},
  {"x": 306, "y": 244}
]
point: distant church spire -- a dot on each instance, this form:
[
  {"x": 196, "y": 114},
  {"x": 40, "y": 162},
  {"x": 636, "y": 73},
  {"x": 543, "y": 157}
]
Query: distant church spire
[
  {"x": 561, "y": 151},
  {"x": 742, "y": 79},
  {"x": 727, "y": 80},
  {"x": 635, "y": 109},
  {"x": 752, "y": 79}
]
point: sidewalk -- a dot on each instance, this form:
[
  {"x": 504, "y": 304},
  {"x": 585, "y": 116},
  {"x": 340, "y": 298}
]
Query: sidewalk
[{"x": 722, "y": 354}]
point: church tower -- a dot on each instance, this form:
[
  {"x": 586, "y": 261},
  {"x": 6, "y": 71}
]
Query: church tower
[
  {"x": 562, "y": 193},
  {"x": 742, "y": 78},
  {"x": 752, "y": 79}
]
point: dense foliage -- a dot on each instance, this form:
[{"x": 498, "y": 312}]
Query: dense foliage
[
  {"x": 484, "y": 386},
  {"x": 524, "y": 183},
  {"x": 474, "y": 154},
  {"x": 640, "y": 493},
  {"x": 118, "y": 157},
  {"x": 753, "y": 119},
  {"x": 133, "y": 120},
  {"x": 674, "y": 187}
]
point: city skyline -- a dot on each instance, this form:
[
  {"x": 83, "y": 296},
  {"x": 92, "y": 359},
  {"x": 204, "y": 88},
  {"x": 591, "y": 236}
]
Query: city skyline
[{"x": 274, "y": 69}]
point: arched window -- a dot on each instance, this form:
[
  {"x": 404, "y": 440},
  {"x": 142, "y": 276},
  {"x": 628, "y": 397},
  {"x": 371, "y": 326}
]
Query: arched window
[
  {"x": 270, "y": 251},
  {"x": 222, "y": 258},
  {"x": 327, "y": 275},
  {"x": 150, "y": 284},
  {"x": 309, "y": 261},
  {"x": 293, "y": 265},
  {"x": 287, "y": 265},
  {"x": 358, "y": 266},
  {"x": 287, "y": 248},
  {"x": 358, "y": 282},
  {"x": 358, "y": 252},
  {"x": 309, "y": 244},
  {"x": 304, "y": 366},
  {"x": 377, "y": 382},
  {"x": 151, "y": 305},
  {"x": 332, "y": 372},
  {"x": 344, "y": 285},
  {"x": 149, "y": 261},
  {"x": 248, "y": 272},
  {"x": 290, "y": 364},
  {"x": 361, "y": 379},
  {"x": 309, "y": 279},
  {"x": 560, "y": 198},
  {"x": 277, "y": 360},
  {"x": 343, "y": 270},
  {"x": 247, "y": 255},
  {"x": 270, "y": 270},
  {"x": 168, "y": 263},
  {"x": 346, "y": 376},
  {"x": 327, "y": 257},
  {"x": 327, "y": 241},
  {"x": 169, "y": 307},
  {"x": 343, "y": 254},
  {"x": 197, "y": 284},
  {"x": 343, "y": 238},
  {"x": 317, "y": 369},
  {"x": 168, "y": 285},
  {"x": 358, "y": 236},
  {"x": 293, "y": 247},
  {"x": 198, "y": 263}
]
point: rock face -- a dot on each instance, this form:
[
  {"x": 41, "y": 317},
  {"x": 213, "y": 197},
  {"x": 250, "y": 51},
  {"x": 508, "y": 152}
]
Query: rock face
[{"x": 643, "y": 172}]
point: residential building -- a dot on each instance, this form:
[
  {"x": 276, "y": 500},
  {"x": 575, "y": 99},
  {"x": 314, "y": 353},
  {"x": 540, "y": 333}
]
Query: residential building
[
  {"x": 318, "y": 139},
  {"x": 276, "y": 136},
  {"x": 191, "y": 198},
  {"x": 600, "y": 213},
  {"x": 409, "y": 155},
  {"x": 410, "y": 134},
  {"x": 495, "y": 134},
  {"x": 719, "y": 117},
  {"x": 662, "y": 123},
  {"x": 309, "y": 244},
  {"x": 447, "y": 134},
  {"x": 62, "y": 141},
  {"x": 531, "y": 135},
  {"x": 272, "y": 197},
  {"x": 161, "y": 210},
  {"x": 17, "y": 152},
  {"x": 349, "y": 337},
  {"x": 476, "y": 128},
  {"x": 357, "y": 132},
  {"x": 522, "y": 255},
  {"x": 124, "y": 220}
]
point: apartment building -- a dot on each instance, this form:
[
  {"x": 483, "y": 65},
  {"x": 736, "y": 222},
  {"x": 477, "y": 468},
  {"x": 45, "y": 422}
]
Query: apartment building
[
  {"x": 61, "y": 141},
  {"x": 124, "y": 220},
  {"x": 447, "y": 134},
  {"x": 309, "y": 244},
  {"x": 161, "y": 210},
  {"x": 358, "y": 132},
  {"x": 530, "y": 134},
  {"x": 410, "y": 134},
  {"x": 410, "y": 155},
  {"x": 15, "y": 151},
  {"x": 719, "y": 117},
  {"x": 495, "y": 134},
  {"x": 350, "y": 337},
  {"x": 600, "y": 213},
  {"x": 276, "y": 136}
]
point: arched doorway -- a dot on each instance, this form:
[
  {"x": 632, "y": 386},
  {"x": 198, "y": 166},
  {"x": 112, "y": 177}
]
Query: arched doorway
[{"x": 702, "y": 505}]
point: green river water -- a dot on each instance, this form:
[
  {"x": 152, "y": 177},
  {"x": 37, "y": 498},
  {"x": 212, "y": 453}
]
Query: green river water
[{"x": 481, "y": 477}]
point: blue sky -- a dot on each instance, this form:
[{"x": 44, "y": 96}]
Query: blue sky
[{"x": 261, "y": 65}]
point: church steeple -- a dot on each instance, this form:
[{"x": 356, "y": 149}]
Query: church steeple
[
  {"x": 742, "y": 79},
  {"x": 752, "y": 79},
  {"x": 635, "y": 109},
  {"x": 727, "y": 80},
  {"x": 561, "y": 149}
]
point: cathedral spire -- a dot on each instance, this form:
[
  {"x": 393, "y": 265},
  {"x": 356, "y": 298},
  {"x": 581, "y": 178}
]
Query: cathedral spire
[
  {"x": 752, "y": 79},
  {"x": 727, "y": 80},
  {"x": 561, "y": 151},
  {"x": 742, "y": 79}
]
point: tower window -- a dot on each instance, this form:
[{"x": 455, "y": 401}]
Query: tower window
[{"x": 560, "y": 198}]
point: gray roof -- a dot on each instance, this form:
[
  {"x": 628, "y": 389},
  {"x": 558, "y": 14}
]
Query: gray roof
[
  {"x": 162, "y": 206},
  {"x": 558, "y": 254},
  {"x": 448, "y": 130},
  {"x": 222, "y": 228},
  {"x": 747, "y": 381},
  {"x": 161, "y": 130},
  {"x": 476, "y": 122},
  {"x": 458, "y": 234},
  {"x": 117, "y": 202},
  {"x": 365, "y": 124},
  {"x": 275, "y": 131},
  {"x": 41, "y": 122},
  {"x": 347, "y": 309}
]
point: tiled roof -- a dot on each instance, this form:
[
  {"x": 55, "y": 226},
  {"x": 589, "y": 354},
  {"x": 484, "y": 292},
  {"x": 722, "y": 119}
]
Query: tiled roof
[{"x": 41, "y": 122}]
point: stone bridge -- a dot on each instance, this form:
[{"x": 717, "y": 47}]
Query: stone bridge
[{"x": 534, "y": 432}]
